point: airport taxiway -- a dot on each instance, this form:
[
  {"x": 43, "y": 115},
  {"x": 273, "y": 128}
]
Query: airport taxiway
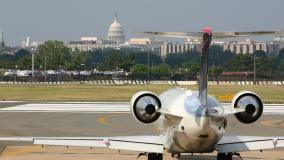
[{"x": 93, "y": 124}]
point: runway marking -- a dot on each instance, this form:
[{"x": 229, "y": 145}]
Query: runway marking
[
  {"x": 19, "y": 151},
  {"x": 104, "y": 120},
  {"x": 273, "y": 123}
]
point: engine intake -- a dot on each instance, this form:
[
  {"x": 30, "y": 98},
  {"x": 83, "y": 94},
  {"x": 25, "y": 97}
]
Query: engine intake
[
  {"x": 144, "y": 106},
  {"x": 251, "y": 104}
]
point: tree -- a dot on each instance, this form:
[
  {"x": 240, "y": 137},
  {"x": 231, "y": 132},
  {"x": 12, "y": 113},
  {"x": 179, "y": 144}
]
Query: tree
[
  {"x": 129, "y": 62},
  {"x": 56, "y": 54},
  {"x": 113, "y": 61},
  {"x": 175, "y": 60},
  {"x": 281, "y": 54},
  {"x": 277, "y": 61},
  {"x": 95, "y": 59},
  {"x": 131, "y": 58},
  {"x": 142, "y": 58},
  {"x": 281, "y": 65},
  {"x": 139, "y": 69},
  {"x": 260, "y": 54},
  {"x": 239, "y": 63},
  {"x": 216, "y": 71},
  {"x": 18, "y": 55},
  {"x": 161, "y": 69},
  {"x": 77, "y": 59},
  {"x": 217, "y": 56},
  {"x": 25, "y": 63},
  {"x": 190, "y": 67},
  {"x": 264, "y": 65}
]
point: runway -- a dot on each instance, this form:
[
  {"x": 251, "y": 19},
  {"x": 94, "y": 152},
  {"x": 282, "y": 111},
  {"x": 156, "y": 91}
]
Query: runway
[{"x": 89, "y": 122}]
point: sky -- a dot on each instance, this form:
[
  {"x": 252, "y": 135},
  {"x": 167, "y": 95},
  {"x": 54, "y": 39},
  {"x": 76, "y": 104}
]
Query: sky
[{"x": 70, "y": 19}]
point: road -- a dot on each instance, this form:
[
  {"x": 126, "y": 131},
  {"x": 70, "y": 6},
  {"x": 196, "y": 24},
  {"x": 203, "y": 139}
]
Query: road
[{"x": 93, "y": 123}]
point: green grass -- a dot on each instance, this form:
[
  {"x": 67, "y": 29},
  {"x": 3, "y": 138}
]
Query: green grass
[{"x": 84, "y": 92}]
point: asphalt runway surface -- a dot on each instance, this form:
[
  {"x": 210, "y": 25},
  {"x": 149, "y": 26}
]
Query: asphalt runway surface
[{"x": 51, "y": 124}]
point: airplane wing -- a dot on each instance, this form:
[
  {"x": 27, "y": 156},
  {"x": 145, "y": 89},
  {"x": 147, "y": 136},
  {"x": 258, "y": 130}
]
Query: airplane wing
[
  {"x": 196, "y": 35},
  {"x": 268, "y": 109},
  {"x": 248, "y": 143},
  {"x": 148, "y": 143},
  {"x": 220, "y": 35}
]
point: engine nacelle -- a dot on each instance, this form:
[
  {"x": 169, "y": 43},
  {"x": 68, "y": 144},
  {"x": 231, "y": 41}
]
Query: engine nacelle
[
  {"x": 144, "y": 106},
  {"x": 251, "y": 103}
]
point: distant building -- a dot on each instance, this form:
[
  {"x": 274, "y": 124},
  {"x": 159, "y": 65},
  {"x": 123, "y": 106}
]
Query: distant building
[
  {"x": 144, "y": 41},
  {"x": 89, "y": 39},
  {"x": 29, "y": 44},
  {"x": 279, "y": 36},
  {"x": 248, "y": 47},
  {"x": 115, "y": 32},
  {"x": 238, "y": 47},
  {"x": 278, "y": 41},
  {"x": 2, "y": 43},
  {"x": 169, "y": 47},
  {"x": 91, "y": 44}
]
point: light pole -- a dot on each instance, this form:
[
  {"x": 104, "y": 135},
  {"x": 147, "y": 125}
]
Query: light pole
[
  {"x": 81, "y": 66},
  {"x": 45, "y": 73},
  {"x": 33, "y": 64},
  {"x": 15, "y": 75}
]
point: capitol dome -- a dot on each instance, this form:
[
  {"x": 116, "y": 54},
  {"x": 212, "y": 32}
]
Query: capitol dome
[{"x": 115, "y": 32}]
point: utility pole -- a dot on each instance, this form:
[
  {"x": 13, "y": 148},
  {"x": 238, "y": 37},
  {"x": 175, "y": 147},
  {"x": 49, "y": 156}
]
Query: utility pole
[
  {"x": 45, "y": 76},
  {"x": 33, "y": 65}
]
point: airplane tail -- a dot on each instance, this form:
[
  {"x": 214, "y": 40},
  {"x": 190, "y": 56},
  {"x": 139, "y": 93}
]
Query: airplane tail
[
  {"x": 203, "y": 77},
  {"x": 206, "y": 42},
  {"x": 206, "y": 36}
]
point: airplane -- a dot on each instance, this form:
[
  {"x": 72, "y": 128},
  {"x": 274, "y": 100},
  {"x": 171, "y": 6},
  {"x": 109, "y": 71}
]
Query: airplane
[{"x": 186, "y": 121}]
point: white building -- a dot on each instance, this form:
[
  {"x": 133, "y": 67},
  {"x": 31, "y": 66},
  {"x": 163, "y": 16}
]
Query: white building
[
  {"x": 115, "y": 32},
  {"x": 2, "y": 43},
  {"x": 190, "y": 45},
  {"x": 29, "y": 44},
  {"x": 144, "y": 41},
  {"x": 89, "y": 39},
  {"x": 248, "y": 47},
  {"x": 91, "y": 44}
]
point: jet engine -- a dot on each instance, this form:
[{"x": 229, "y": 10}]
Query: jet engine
[
  {"x": 251, "y": 104},
  {"x": 144, "y": 107}
]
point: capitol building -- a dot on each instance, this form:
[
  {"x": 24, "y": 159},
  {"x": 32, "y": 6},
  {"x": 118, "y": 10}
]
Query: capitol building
[
  {"x": 115, "y": 40},
  {"x": 115, "y": 37},
  {"x": 115, "y": 32}
]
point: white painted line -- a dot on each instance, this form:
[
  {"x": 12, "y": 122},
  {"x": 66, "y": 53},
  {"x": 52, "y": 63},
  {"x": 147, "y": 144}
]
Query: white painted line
[{"x": 10, "y": 101}]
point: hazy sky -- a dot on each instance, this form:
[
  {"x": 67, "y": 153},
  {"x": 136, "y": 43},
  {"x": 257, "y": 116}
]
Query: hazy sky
[{"x": 71, "y": 19}]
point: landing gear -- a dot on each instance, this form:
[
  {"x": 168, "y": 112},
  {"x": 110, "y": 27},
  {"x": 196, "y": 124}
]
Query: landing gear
[
  {"x": 155, "y": 156},
  {"x": 176, "y": 154},
  {"x": 225, "y": 156}
]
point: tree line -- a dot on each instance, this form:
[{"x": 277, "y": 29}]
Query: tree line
[{"x": 55, "y": 55}]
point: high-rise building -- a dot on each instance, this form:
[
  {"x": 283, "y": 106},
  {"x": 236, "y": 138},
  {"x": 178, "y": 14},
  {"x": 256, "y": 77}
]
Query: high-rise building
[
  {"x": 278, "y": 41},
  {"x": 247, "y": 47},
  {"x": 2, "y": 43},
  {"x": 170, "y": 48},
  {"x": 115, "y": 32}
]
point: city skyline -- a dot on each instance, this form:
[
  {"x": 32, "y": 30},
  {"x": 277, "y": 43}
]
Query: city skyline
[{"x": 70, "y": 19}]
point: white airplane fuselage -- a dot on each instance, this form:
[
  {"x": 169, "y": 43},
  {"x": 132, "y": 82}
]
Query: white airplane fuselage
[{"x": 192, "y": 130}]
